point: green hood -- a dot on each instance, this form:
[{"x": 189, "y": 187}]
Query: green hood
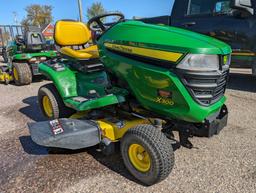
[{"x": 164, "y": 38}]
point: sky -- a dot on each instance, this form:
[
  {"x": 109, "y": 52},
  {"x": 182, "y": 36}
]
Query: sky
[{"x": 68, "y": 9}]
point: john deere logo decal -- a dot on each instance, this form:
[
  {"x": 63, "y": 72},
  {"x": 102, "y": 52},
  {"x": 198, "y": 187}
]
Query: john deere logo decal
[
  {"x": 121, "y": 48},
  {"x": 145, "y": 52}
]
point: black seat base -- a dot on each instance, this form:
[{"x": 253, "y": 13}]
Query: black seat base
[{"x": 87, "y": 66}]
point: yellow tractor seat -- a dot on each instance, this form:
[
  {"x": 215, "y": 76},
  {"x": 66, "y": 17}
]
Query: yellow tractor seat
[
  {"x": 83, "y": 54},
  {"x": 68, "y": 34}
]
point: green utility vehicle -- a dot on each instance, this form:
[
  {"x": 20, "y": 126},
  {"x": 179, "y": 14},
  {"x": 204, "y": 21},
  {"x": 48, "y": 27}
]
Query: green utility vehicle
[
  {"x": 25, "y": 50},
  {"x": 135, "y": 87}
]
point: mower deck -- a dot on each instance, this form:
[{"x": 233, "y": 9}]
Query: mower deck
[
  {"x": 80, "y": 132},
  {"x": 65, "y": 133}
]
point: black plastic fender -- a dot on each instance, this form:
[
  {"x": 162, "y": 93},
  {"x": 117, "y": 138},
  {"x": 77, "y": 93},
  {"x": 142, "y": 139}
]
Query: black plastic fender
[{"x": 65, "y": 133}]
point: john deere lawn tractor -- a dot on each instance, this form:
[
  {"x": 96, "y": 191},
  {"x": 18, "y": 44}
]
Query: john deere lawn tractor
[
  {"x": 22, "y": 56},
  {"x": 135, "y": 87}
]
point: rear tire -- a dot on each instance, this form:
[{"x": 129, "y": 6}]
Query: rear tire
[
  {"x": 155, "y": 161},
  {"x": 21, "y": 74},
  {"x": 51, "y": 103}
]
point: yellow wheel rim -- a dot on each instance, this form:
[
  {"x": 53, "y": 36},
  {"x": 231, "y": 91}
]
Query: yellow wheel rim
[
  {"x": 139, "y": 157},
  {"x": 15, "y": 74},
  {"x": 47, "y": 105}
]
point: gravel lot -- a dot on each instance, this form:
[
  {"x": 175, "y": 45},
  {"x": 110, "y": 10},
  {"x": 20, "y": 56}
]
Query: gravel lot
[{"x": 222, "y": 164}]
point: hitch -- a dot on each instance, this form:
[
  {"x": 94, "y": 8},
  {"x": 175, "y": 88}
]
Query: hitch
[{"x": 184, "y": 135}]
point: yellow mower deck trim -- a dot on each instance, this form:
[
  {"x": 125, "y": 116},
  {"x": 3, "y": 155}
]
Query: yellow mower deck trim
[
  {"x": 114, "y": 132},
  {"x": 5, "y": 77}
]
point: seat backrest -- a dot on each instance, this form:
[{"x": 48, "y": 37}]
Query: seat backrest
[
  {"x": 71, "y": 33},
  {"x": 34, "y": 40}
]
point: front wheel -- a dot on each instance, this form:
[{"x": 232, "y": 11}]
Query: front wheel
[
  {"x": 147, "y": 154},
  {"x": 21, "y": 74},
  {"x": 51, "y": 103}
]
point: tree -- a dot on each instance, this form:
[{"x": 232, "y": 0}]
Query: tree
[
  {"x": 4, "y": 37},
  {"x": 38, "y": 15},
  {"x": 98, "y": 9},
  {"x": 95, "y": 10},
  {"x": 116, "y": 18}
]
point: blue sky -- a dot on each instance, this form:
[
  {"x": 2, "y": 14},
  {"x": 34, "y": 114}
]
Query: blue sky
[{"x": 68, "y": 9}]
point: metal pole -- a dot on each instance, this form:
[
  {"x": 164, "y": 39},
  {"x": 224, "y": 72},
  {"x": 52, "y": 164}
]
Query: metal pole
[
  {"x": 80, "y": 10},
  {"x": 15, "y": 18}
]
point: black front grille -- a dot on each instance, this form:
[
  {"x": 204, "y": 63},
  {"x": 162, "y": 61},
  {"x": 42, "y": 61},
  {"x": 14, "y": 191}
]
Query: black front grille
[{"x": 207, "y": 87}]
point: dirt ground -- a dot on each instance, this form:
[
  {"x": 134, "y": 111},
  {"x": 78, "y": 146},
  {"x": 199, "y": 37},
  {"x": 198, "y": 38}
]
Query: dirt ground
[{"x": 222, "y": 164}]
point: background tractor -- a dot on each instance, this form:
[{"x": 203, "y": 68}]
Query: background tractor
[{"x": 23, "y": 50}]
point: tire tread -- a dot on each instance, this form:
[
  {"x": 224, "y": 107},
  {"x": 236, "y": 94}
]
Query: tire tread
[
  {"x": 159, "y": 144},
  {"x": 59, "y": 108},
  {"x": 24, "y": 74}
]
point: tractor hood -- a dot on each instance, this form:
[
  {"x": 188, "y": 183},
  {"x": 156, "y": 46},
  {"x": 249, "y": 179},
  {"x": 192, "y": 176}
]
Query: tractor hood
[{"x": 157, "y": 37}]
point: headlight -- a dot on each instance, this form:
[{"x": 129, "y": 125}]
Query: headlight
[
  {"x": 200, "y": 62},
  {"x": 226, "y": 60}
]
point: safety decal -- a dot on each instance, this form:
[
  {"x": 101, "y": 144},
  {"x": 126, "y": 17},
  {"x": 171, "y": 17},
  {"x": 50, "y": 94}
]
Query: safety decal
[{"x": 56, "y": 127}]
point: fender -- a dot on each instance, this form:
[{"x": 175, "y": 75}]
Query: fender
[
  {"x": 27, "y": 56},
  {"x": 65, "y": 81}
]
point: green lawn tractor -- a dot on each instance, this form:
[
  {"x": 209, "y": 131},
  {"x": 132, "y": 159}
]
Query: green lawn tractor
[
  {"x": 135, "y": 87},
  {"x": 22, "y": 57}
]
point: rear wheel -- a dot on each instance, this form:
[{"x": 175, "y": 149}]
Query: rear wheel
[
  {"x": 147, "y": 154},
  {"x": 51, "y": 103},
  {"x": 21, "y": 74}
]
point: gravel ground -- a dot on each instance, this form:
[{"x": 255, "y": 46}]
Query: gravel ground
[{"x": 222, "y": 164}]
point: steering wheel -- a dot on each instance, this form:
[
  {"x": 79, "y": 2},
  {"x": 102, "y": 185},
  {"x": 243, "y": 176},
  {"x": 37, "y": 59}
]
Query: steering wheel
[{"x": 100, "y": 26}]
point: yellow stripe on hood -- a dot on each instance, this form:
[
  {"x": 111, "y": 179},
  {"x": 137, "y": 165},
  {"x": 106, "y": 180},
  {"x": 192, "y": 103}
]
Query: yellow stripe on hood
[{"x": 151, "y": 53}]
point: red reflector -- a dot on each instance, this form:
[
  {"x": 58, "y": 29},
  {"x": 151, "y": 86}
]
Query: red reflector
[{"x": 165, "y": 93}]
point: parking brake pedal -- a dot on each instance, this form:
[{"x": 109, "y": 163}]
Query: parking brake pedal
[
  {"x": 93, "y": 94},
  {"x": 80, "y": 99}
]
